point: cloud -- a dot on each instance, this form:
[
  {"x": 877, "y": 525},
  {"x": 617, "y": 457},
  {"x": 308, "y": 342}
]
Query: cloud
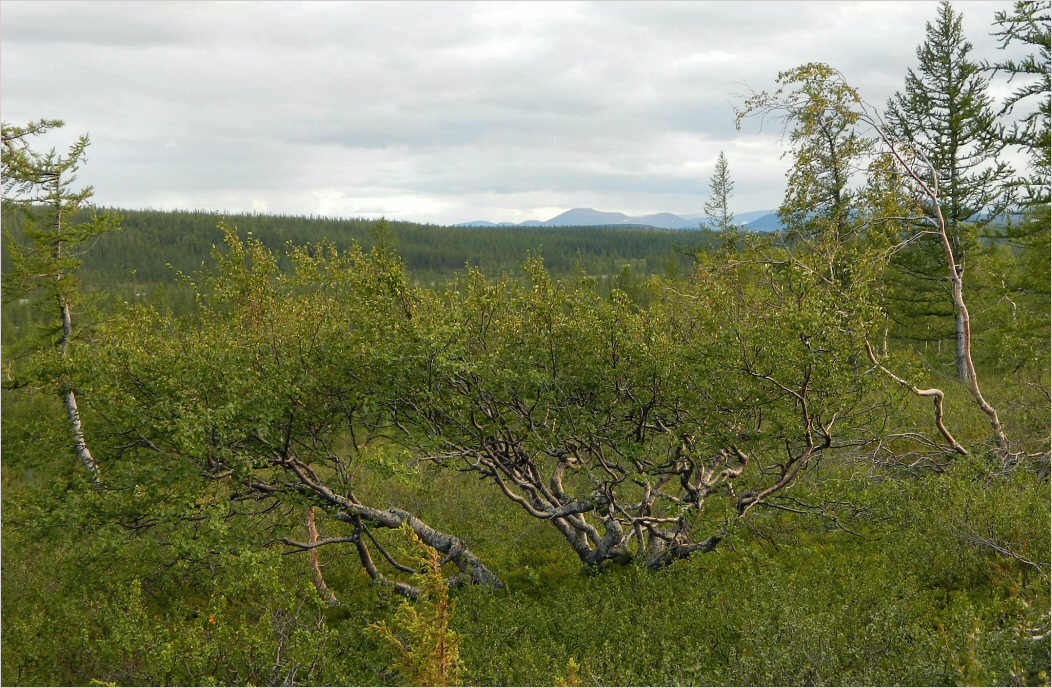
[{"x": 437, "y": 111}]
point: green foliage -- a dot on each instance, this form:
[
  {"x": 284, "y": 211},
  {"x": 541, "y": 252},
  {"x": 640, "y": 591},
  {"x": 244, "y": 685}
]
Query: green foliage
[
  {"x": 1029, "y": 24},
  {"x": 243, "y": 620},
  {"x": 43, "y": 259},
  {"x": 224, "y": 388},
  {"x": 571, "y": 679},
  {"x": 426, "y": 651}
]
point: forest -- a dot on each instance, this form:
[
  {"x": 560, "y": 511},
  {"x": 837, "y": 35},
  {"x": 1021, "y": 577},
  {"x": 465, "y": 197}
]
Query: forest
[
  {"x": 275, "y": 450},
  {"x": 153, "y": 247}
]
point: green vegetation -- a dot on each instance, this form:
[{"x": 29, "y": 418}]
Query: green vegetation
[
  {"x": 948, "y": 116},
  {"x": 333, "y": 452},
  {"x": 426, "y": 650}
]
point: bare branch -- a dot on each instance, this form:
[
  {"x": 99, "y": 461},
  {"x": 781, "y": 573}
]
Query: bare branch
[
  {"x": 322, "y": 542},
  {"x": 977, "y": 539},
  {"x": 936, "y": 394}
]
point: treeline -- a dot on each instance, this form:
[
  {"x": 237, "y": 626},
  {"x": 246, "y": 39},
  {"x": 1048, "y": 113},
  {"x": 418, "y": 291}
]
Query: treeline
[
  {"x": 143, "y": 262},
  {"x": 155, "y": 244}
]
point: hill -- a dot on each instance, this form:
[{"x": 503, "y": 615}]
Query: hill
[{"x": 756, "y": 220}]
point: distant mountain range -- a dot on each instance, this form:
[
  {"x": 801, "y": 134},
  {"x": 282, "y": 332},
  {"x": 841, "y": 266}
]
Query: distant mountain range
[{"x": 757, "y": 220}]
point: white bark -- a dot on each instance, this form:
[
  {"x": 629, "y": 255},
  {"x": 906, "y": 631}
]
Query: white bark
[
  {"x": 962, "y": 352},
  {"x": 79, "y": 444},
  {"x": 956, "y": 273}
]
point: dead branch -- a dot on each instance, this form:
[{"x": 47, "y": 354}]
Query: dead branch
[
  {"x": 936, "y": 394},
  {"x": 981, "y": 541}
]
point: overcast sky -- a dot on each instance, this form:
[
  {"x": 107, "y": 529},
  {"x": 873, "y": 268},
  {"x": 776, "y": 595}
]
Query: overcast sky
[{"x": 437, "y": 112}]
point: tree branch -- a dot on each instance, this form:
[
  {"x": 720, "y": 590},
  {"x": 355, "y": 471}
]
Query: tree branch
[{"x": 936, "y": 394}]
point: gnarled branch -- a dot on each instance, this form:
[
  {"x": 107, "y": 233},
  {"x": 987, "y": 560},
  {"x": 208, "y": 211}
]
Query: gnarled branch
[{"x": 936, "y": 394}]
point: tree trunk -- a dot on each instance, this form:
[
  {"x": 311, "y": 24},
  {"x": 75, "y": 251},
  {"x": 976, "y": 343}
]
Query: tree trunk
[
  {"x": 319, "y": 580},
  {"x": 964, "y": 327},
  {"x": 471, "y": 567},
  {"x": 350, "y": 510},
  {"x": 962, "y": 352},
  {"x": 668, "y": 555},
  {"x": 79, "y": 444},
  {"x": 962, "y": 309}
]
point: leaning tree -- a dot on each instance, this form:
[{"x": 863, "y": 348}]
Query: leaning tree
[
  {"x": 817, "y": 86},
  {"x": 57, "y": 226},
  {"x": 946, "y": 113}
]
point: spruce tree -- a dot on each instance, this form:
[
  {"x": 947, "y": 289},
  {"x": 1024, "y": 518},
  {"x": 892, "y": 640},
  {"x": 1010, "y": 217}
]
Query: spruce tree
[
  {"x": 1029, "y": 25},
  {"x": 717, "y": 208},
  {"x": 947, "y": 115}
]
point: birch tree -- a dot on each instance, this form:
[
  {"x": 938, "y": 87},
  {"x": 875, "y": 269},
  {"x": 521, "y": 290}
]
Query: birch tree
[
  {"x": 44, "y": 261},
  {"x": 273, "y": 394},
  {"x": 819, "y": 86}
]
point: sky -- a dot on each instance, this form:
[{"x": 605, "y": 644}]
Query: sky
[{"x": 438, "y": 112}]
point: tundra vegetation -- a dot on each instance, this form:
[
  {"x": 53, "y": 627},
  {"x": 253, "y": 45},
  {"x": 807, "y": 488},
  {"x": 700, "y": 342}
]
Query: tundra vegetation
[{"x": 747, "y": 460}]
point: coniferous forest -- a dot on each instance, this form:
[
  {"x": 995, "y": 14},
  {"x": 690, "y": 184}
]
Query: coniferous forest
[{"x": 275, "y": 450}]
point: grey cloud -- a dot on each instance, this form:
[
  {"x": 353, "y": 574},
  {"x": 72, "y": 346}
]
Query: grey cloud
[
  {"x": 135, "y": 25},
  {"x": 551, "y": 104}
]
